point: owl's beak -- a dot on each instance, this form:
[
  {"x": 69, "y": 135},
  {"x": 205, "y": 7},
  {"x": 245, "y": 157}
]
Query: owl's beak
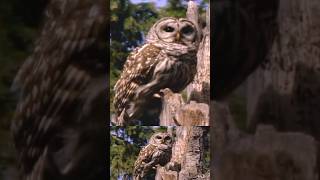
[{"x": 178, "y": 37}]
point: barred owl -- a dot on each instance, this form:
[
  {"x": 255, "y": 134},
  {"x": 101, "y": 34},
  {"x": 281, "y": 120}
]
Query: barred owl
[
  {"x": 157, "y": 152},
  {"x": 59, "y": 124},
  {"x": 167, "y": 60}
]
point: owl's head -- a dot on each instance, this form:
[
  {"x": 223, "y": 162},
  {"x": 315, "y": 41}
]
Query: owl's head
[
  {"x": 173, "y": 30},
  {"x": 161, "y": 139}
]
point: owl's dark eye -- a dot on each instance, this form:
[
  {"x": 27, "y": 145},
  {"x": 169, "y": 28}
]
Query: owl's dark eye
[
  {"x": 168, "y": 29},
  {"x": 158, "y": 137},
  {"x": 167, "y": 138},
  {"x": 187, "y": 30}
]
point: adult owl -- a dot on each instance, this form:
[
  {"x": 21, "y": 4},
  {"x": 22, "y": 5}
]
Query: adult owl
[
  {"x": 167, "y": 60},
  {"x": 59, "y": 124},
  {"x": 157, "y": 152}
]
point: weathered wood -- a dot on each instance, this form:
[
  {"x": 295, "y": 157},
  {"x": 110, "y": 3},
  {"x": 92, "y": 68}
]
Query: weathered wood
[
  {"x": 199, "y": 89},
  {"x": 188, "y": 148},
  {"x": 192, "y": 159},
  {"x": 171, "y": 103},
  {"x": 187, "y": 156},
  {"x": 269, "y": 155},
  {"x": 193, "y": 114},
  {"x": 287, "y": 87},
  {"x": 163, "y": 174},
  {"x": 192, "y": 14},
  {"x": 283, "y": 93},
  {"x": 176, "y": 112}
]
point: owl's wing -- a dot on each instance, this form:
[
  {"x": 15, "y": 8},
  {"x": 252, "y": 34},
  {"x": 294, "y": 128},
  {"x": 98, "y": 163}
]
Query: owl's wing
[
  {"x": 145, "y": 156},
  {"x": 136, "y": 72},
  {"x": 54, "y": 89}
]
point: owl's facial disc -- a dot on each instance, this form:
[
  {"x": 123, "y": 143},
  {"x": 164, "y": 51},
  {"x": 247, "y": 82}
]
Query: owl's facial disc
[
  {"x": 187, "y": 32},
  {"x": 158, "y": 139},
  {"x": 168, "y": 140},
  {"x": 167, "y": 30}
]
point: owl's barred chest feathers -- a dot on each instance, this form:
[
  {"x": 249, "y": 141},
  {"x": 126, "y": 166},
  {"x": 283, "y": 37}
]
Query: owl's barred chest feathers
[
  {"x": 148, "y": 152},
  {"x": 150, "y": 60},
  {"x": 174, "y": 66},
  {"x": 177, "y": 68},
  {"x": 140, "y": 63}
]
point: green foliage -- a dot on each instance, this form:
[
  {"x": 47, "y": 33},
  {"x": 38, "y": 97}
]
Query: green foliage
[
  {"x": 175, "y": 8},
  {"x": 16, "y": 36},
  {"x": 19, "y": 22},
  {"x": 122, "y": 156}
]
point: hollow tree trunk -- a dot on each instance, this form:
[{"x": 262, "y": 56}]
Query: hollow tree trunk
[
  {"x": 187, "y": 156},
  {"x": 287, "y": 88},
  {"x": 283, "y": 93}
]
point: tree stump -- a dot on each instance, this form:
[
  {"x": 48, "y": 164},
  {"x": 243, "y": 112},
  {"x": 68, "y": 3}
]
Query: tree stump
[
  {"x": 283, "y": 93},
  {"x": 269, "y": 155},
  {"x": 187, "y": 156},
  {"x": 287, "y": 87}
]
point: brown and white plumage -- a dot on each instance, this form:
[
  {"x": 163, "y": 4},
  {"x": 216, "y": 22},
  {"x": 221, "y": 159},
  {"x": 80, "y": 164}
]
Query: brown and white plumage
[
  {"x": 61, "y": 89},
  {"x": 144, "y": 60},
  {"x": 156, "y": 152},
  {"x": 167, "y": 60}
]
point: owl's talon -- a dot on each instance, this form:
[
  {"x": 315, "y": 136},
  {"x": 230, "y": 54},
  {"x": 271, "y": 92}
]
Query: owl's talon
[{"x": 131, "y": 110}]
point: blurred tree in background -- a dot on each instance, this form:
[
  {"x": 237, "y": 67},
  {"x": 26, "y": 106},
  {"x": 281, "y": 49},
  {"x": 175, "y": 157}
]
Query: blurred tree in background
[
  {"x": 19, "y": 23},
  {"x": 175, "y": 8}
]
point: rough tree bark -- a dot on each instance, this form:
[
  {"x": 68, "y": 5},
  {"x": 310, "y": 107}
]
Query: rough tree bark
[
  {"x": 187, "y": 156},
  {"x": 287, "y": 88},
  {"x": 269, "y": 155},
  {"x": 283, "y": 93},
  {"x": 196, "y": 111}
]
